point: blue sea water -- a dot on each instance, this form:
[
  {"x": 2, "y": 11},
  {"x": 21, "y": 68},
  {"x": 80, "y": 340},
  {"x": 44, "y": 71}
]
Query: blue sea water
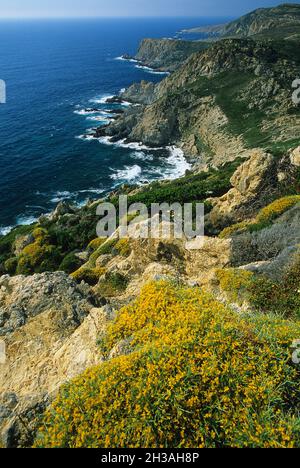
[{"x": 53, "y": 71}]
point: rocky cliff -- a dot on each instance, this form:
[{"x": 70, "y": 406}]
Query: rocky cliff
[
  {"x": 166, "y": 54},
  {"x": 223, "y": 101}
]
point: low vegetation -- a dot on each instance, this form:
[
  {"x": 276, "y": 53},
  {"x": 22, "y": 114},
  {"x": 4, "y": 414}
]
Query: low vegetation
[
  {"x": 264, "y": 218},
  {"x": 263, "y": 294}
]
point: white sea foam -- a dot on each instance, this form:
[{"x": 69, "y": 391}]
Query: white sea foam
[
  {"x": 86, "y": 111},
  {"x": 102, "y": 99},
  {"x": 105, "y": 140},
  {"x": 23, "y": 220},
  {"x": 92, "y": 190},
  {"x": 127, "y": 174},
  {"x": 86, "y": 137},
  {"x": 100, "y": 118},
  {"x": 126, "y": 103},
  {"x": 152, "y": 70},
  {"x": 5, "y": 230},
  {"x": 124, "y": 59},
  {"x": 140, "y": 155},
  {"x": 178, "y": 161},
  {"x": 60, "y": 196},
  {"x": 138, "y": 146}
]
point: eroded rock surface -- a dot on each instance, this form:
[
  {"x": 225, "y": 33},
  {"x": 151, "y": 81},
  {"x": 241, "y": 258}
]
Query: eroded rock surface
[{"x": 50, "y": 327}]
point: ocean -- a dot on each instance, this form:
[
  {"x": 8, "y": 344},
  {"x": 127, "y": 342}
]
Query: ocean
[{"x": 54, "y": 71}]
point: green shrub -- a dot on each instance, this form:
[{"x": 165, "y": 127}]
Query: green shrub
[
  {"x": 89, "y": 275},
  {"x": 112, "y": 284},
  {"x": 96, "y": 243},
  {"x": 11, "y": 265},
  {"x": 38, "y": 257},
  {"x": 263, "y": 294},
  {"x": 123, "y": 247},
  {"x": 70, "y": 263}
]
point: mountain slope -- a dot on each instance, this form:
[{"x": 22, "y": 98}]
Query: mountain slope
[
  {"x": 265, "y": 20},
  {"x": 282, "y": 22},
  {"x": 234, "y": 96}
]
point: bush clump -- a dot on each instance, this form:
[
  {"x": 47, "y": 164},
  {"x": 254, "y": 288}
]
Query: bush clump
[
  {"x": 123, "y": 247},
  {"x": 96, "y": 243},
  {"x": 197, "y": 375},
  {"x": 262, "y": 293},
  {"x": 277, "y": 208},
  {"x": 112, "y": 284},
  {"x": 70, "y": 263},
  {"x": 38, "y": 257},
  {"x": 89, "y": 275},
  {"x": 11, "y": 265}
]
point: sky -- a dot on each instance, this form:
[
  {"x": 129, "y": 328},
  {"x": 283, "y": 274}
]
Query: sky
[{"x": 129, "y": 8}]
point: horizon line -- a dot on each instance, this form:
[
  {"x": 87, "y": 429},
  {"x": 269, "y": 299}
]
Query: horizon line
[{"x": 110, "y": 17}]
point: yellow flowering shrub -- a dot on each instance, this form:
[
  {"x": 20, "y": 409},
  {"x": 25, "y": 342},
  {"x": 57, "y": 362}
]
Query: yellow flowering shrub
[
  {"x": 264, "y": 217},
  {"x": 39, "y": 233},
  {"x": 197, "y": 375},
  {"x": 229, "y": 231},
  {"x": 235, "y": 283},
  {"x": 38, "y": 256},
  {"x": 277, "y": 208}
]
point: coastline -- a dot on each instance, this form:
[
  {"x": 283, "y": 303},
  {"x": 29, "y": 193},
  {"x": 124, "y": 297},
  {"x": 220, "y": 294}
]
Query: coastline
[
  {"x": 179, "y": 163},
  {"x": 143, "y": 65}
]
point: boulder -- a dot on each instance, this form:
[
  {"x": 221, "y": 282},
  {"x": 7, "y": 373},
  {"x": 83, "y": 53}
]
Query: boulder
[{"x": 295, "y": 157}]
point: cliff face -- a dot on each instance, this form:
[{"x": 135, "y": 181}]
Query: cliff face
[
  {"x": 166, "y": 54},
  {"x": 223, "y": 101}
]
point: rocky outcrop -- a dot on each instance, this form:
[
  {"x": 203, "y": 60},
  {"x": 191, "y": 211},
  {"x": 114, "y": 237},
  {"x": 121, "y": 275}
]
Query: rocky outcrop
[
  {"x": 256, "y": 183},
  {"x": 50, "y": 327},
  {"x": 63, "y": 208},
  {"x": 166, "y": 54},
  {"x": 24, "y": 298},
  {"x": 140, "y": 93},
  {"x": 21, "y": 242}
]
